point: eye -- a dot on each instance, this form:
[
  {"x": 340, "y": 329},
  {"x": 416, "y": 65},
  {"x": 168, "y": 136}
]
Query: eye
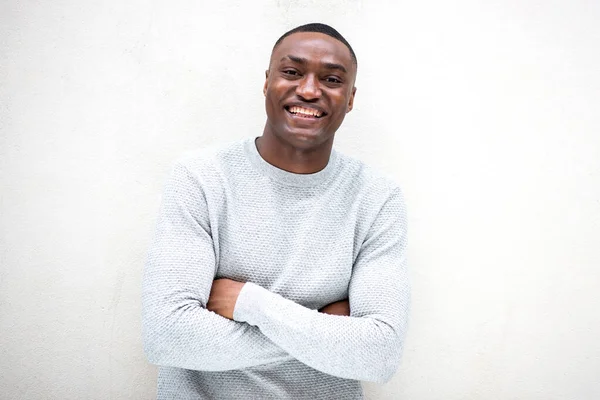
[
  {"x": 332, "y": 79},
  {"x": 290, "y": 72}
]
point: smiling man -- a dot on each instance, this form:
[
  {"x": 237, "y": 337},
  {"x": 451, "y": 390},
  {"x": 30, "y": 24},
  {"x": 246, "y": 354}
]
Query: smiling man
[{"x": 278, "y": 267}]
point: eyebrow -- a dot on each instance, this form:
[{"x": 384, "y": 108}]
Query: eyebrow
[{"x": 304, "y": 61}]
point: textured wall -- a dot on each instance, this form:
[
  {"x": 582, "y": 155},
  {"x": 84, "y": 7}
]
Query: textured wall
[{"x": 486, "y": 112}]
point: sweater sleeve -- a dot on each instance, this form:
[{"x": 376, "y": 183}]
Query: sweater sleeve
[
  {"x": 178, "y": 330},
  {"x": 368, "y": 344}
]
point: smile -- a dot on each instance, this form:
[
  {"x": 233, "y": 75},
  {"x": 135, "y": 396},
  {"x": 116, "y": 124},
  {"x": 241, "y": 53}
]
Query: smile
[{"x": 305, "y": 112}]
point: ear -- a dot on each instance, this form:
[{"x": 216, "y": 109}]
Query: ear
[
  {"x": 351, "y": 101},
  {"x": 266, "y": 82}
]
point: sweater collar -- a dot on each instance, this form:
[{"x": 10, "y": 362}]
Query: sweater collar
[{"x": 285, "y": 177}]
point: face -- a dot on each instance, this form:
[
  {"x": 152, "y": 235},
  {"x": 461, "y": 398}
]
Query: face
[{"x": 309, "y": 89}]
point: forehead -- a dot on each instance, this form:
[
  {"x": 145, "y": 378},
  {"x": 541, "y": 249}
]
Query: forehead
[{"x": 315, "y": 47}]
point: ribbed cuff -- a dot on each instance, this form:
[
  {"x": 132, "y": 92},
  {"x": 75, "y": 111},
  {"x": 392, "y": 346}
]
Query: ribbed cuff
[{"x": 252, "y": 303}]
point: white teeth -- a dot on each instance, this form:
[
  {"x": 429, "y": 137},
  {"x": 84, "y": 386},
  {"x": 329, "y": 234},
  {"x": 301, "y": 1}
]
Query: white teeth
[{"x": 305, "y": 111}]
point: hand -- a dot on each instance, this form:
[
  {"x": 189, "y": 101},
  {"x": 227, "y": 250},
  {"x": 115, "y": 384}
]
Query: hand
[
  {"x": 337, "y": 308},
  {"x": 223, "y": 296}
]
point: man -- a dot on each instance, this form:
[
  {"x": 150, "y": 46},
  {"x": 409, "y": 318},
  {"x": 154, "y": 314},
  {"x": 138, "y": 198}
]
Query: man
[{"x": 254, "y": 238}]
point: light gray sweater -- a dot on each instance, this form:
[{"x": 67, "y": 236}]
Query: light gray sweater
[{"x": 300, "y": 242}]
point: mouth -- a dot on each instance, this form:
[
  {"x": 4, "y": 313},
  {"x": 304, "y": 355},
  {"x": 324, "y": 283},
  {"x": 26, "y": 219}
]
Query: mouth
[{"x": 305, "y": 112}]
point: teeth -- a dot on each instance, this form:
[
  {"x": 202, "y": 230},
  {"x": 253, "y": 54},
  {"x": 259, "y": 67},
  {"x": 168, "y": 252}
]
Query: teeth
[{"x": 305, "y": 111}]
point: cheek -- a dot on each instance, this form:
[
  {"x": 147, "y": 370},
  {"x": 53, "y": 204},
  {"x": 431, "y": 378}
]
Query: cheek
[
  {"x": 273, "y": 96},
  {"x": 341, "y": 105},
  {"x": 279, "y": 88},
  {"x": 339, "y": 98},
  {"x": 271, "y": 100}
]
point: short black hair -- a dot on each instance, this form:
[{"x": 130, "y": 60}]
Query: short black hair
[{"x": 319, "y": 28}]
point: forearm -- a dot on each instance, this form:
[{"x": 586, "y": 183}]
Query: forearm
[
  {"x": 191, "y": 337},
  {"x": 360, "y": 348},
  {"x": 238, "y": 345}
]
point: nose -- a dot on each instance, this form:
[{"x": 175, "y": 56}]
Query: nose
[{"x": 308, "y": 88}]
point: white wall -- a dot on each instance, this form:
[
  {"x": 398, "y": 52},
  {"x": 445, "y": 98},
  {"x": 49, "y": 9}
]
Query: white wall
[{"x": 486, "y": 112}]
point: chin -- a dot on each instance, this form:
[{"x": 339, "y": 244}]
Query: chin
[{"x": 305, "y": 139}]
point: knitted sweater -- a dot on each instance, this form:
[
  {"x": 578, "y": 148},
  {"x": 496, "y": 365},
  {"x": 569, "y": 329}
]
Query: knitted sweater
[{"x": 300, "y": 242}]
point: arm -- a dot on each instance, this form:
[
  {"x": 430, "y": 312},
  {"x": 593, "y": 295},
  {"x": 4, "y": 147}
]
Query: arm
[
  {"x": 178, "y": 330},
  {"x": 338, "y": 308},
  {"x": 368, "y": 344}
]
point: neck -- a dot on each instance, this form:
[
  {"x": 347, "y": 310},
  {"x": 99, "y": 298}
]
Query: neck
[{"x": 293, "y": 159}]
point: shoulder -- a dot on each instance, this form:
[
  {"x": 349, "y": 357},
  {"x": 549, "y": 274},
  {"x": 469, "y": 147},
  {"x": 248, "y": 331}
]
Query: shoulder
[
  {"x": 365, "y": 178},
  {"x": 207, "y": 168},
  {"x": 210, "y": 159},
  {"x": 213, "y": 163},
  {"x": 378, "y": 198}
]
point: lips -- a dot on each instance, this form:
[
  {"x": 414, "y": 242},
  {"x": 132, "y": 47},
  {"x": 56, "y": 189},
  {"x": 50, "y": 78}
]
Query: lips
[{"x": 305, "y": 111}]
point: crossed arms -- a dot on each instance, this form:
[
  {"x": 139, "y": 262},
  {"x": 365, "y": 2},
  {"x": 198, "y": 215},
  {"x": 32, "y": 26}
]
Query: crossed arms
[
  {"x": 181, "y": 331},
  {"x": 224, "y": 293}
]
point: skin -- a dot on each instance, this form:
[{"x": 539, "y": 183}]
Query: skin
[
  {"x": 296, "y": 144},
  {"x": 314, "y": 71},
  {"x": 224, "y": 293}
]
